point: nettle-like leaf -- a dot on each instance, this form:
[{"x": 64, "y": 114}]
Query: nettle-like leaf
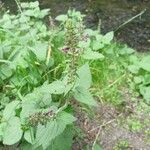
[
  {"x": 138, "y": 79},
  {"x": 2, "y": 130},
  {"x": 85, "y": 78},
  {"x": 146, "y": 79},
  {"x": 30, "y": 5},
  {"x": 13, "y": 131},
  {"x": 97, "y": 44},
  {"x": 84, "y": 96},
  {"x": 40, "y": 50},
  {"x": 145, "y": 63},
  {"x": 46, "y": 133},
  {"x": 91, "y": 32},
  {"x": 92, "y": 55},
  {"x": 40, "y": 98},
  {"x": 84, "y": 44},
  {"x": 133, "y": 69},
  {"x": 6, "y": 71},
  {"x": 63, "y": 141},
  {"x": 56, "y": 87},
  {"x": 29, "y": 135},
  {"x": 126, "y": 51},
  {"x": 145, "y": 91},
  {"x": 33, "y": 103},
  {"x": 62, "y": 18},
  {"x": 108, "y": 37},
  {"x": 19, "y": 57},
  {"x": 9, "y": 110}
]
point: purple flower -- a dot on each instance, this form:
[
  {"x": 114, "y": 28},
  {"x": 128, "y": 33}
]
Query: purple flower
[{"x": 65, "y": 49}]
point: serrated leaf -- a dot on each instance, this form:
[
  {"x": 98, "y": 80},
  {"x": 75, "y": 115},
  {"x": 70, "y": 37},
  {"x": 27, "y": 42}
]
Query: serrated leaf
[
  {"x": 63, "y": 141},
  {"x": 84, "y": 44},
  {"x": 84, "y": 96},
  {"x": 126, "y": 50},
  {"x": 138, "y": 79},
  {"x": 44, "y": 13},
  {"x": 85, "y": 78},
  {"x": 108, "y": 37},
  {"x": 9, "y": 110},
  {"x": 13, "y": 132},
  {"x": 40, "y": 50},
  {"x": 147, "y": 79},
  {"x": 24, "y": 5},
  {"x": 133, "y": 69},
  {"x": 34, "y": 4},
  {"x": 91, "y": 32},
  {"x": 3, "y": 126},
  {"x": 145, "y": 63},
  {"x": 66, "y": 118},
  {"x": 56, "y": 87},
  {"x": 6, "y": 70},
  {"x": 97, "y": 44},
  {"x": 145, "y": 91},
  {"x": 62, "y": 18},
  {"x": 92, "y": 55},
  {"x": 30, "y": 105},
  {"x": 45, "y": 134},
  {"x": 29, "y": 136}
]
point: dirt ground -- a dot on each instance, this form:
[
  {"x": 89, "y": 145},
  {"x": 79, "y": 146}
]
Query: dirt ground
[{"x": 110, "y": 132}]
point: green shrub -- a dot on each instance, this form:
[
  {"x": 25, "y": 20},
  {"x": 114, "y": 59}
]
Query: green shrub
[{"x": 43, "y": 69}]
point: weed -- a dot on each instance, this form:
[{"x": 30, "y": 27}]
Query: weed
[
  {"x": 45, "y": 70},
  {"x": 121, "y": 145}
]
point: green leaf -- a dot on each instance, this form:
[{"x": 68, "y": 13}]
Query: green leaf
[
  {"x": 145, "y": 63},
  {"x": 133, "y": 69},
  {"x": 1, "y": 52},
  {"x": 84, "y": 96},
  {"x": 40, "y": 97},
  {"x": 45, "y": 134},
  {"x": 92, "y": 55},
  {"x": 97, "y": 147},
  {"x": 85, "y": 78},
  {"x": 66, "y": 118},
  {"x": 3, "y": 126},
  {"x": 9, "y": 110},
  {"x": 84, "y": 44},
  {"x": 56, "y": 87},
  {"x": 24, "y": 5},
  {"x": 44, "y": 13},
  {"x": 145, "y": 91},
  {"x": 147, "y": 79},
  {"x": 29, "y": 135},
  {"x": 138, "y": 79},
  {"x": 40, "y": 50},
  {"x": 13, "y": 132},
  {"x": 62, "y": 18},
  {"x": 30, "y": 105},
  {"x": 19, "y": 58},
  {"x": 107, "y": 38},
  {"x": 63, "y": 141},
  {"x": 6, "y": 70},
  {"x": 34, "y": 4},
  {"x": 97, "y": 44},
  {"x": 126, "y": 50},
  {"x": 91, "y": 32}
]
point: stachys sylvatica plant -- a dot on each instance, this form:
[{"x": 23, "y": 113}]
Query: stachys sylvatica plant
[{"x": 42, "y": 70}]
